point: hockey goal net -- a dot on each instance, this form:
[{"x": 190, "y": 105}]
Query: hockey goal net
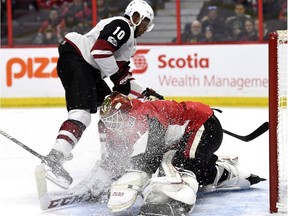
[{"x": 278, "y": 120}]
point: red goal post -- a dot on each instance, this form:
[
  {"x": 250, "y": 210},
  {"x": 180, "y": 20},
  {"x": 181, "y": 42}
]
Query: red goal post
[{"x": 278, "y": 120}]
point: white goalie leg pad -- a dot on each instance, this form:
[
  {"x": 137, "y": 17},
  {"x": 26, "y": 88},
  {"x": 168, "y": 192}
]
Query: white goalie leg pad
[
  {"x": 161, "y": 189},
  {"x": 96, "y": 182},
  {"x": 124, "y": 191},
  {"x": 237, "y": 176}
]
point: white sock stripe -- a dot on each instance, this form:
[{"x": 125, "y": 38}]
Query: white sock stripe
[
  {"x": 70, "y": 135},
  {"x": 82, "y": 116}
]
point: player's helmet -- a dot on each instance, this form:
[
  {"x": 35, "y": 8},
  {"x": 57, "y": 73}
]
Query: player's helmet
[
  {"x": 144, "y": 9},
  {"x": 112, "y": 110}
]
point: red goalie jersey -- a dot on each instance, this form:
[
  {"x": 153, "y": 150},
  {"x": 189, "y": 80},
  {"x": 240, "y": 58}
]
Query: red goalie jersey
[{"x": 127, "y": 121}]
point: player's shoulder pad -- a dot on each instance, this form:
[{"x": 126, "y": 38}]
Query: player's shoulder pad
[{"x": 117, "y": 32}]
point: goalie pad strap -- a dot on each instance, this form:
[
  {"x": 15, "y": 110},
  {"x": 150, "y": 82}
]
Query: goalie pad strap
[{"x": 125, "y": 190}]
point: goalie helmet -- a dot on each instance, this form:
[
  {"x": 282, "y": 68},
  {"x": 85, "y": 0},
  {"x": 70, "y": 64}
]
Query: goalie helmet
[
  {"x": 144, "y": 10},
  {"x": 113, "y": 111}
]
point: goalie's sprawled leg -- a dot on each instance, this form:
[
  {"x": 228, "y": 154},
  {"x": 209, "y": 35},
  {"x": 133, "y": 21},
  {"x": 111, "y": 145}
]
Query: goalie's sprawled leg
[
  {"x": 97, "y": 182},
  {"x": 172, "y": 193},
  {"x": 212, "y": 173},
  {"x": 124, "y": 191},
  {"x": 230, "y": 176}
]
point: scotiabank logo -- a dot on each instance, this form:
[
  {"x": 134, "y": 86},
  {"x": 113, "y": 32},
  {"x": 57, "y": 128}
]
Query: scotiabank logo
[
  {"x": 139, "y": 61},
  {"x": 17, "y": 68},
  {"x": 189, "y": 61}
]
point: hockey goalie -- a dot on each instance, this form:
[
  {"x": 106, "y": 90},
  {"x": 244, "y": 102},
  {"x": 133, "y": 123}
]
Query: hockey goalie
[{"x": 163, "y": 151}]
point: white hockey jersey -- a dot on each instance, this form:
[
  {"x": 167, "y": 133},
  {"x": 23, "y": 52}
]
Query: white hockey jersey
[
  {"x": 107, "y": 47},
  {"x": 110, "y": 43}
]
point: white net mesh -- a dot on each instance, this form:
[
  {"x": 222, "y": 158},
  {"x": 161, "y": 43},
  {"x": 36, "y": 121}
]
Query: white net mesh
[{"x": 282, "y": 128}]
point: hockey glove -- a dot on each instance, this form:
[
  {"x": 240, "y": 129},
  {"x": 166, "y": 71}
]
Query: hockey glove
[
  {"x": 122, "y": 76},
  {"x": 151, "y": 94}
]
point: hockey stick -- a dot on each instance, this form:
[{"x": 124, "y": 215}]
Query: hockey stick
[
  {"x": 256, "y": 133},
  {"x": 49, "y": 202},
  {"x": 44, "y": 159},
  {"x": 41, "y": 157}
]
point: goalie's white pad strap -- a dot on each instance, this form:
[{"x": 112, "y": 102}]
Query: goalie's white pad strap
[
  {"x": 161, "y": 188},
  {"x": 96, "y": 182},
  {"x": 124, "y": 191},
  {"x": 141, "y": 144},
  {"x": 168, "y": 168}
]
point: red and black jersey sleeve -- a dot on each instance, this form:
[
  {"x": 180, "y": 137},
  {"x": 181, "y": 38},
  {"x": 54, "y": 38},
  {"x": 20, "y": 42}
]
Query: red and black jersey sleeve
[{"x": 113, "y": 36}]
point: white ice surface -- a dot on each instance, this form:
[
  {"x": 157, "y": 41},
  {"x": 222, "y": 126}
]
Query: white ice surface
[{"x": 37, "y": 128}]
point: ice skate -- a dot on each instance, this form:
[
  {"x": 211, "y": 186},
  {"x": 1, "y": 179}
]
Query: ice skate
[
  {"x": 230, "y": 176},
  {"x": 55, "y": 172}
]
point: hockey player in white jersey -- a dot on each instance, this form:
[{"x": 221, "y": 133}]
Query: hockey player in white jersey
[
  {"x": 163, "y": 151},
  {"x": 84, "y": 62}
]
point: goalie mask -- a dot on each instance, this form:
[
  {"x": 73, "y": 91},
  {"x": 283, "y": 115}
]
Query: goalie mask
[
  {"x": 114, "y": 110},
  {"x": 144, "y": 10}
]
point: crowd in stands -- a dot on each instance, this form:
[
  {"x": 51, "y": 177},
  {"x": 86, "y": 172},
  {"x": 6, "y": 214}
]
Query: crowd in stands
[
  {"x": 235, "y": 20},
  {"x": 63, "y": 16},
  {"x": 47, "y": 21}
]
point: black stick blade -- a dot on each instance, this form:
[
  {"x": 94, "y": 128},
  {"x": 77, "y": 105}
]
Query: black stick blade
[{"x": 259, "y": 131}]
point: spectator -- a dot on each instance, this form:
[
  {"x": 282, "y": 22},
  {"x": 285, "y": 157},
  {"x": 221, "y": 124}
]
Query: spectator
[
  {"x": 4, "y": 11},
  {"x": 210, "y": 36},
  {"x": 283, "y": 17},
  {"x": 69, "y": 25},
  {"x": 53, "y": 22},
  {"x": 249, "y": 7},
  {"x": 265, "y": 30},
  {"x": 82, "y": 27},
  {"x": 102, "y": 9},
  {"x": 250, "y": 33},
  {"x": 236, "y": 32},
  {"x": 271, "y": 9},
  {"x": 79, "y": 8},
  {"x": 194, "y": 34},
  {"x": 117, "y": 7},
  {"x": 214, "y": 20},
  {"x": 237, "y": 20},
  {"x": 283, "y": 11},
  {"x": 276, "y": 15},
  {"x": 225, "y": 8},
  {"x": 47, "y": 4},
  {"x": 50, "y": 37}
]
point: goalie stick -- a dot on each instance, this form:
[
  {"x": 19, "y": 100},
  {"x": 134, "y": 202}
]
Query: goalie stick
[
  {"x": 49, "y": 202},
  {"x": 256, "y": 133}
]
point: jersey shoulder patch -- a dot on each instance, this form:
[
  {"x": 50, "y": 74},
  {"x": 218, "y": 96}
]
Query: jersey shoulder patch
[{"x": 117, "y": 32}]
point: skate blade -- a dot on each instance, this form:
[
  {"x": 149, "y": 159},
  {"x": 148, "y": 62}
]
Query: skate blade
[{"x": 59, "y": 181}]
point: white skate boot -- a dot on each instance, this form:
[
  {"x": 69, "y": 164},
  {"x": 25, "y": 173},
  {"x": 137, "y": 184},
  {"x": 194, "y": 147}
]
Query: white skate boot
[
  {"x": 55, "y": 172},
  {"x": 230, "y": 176}
]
